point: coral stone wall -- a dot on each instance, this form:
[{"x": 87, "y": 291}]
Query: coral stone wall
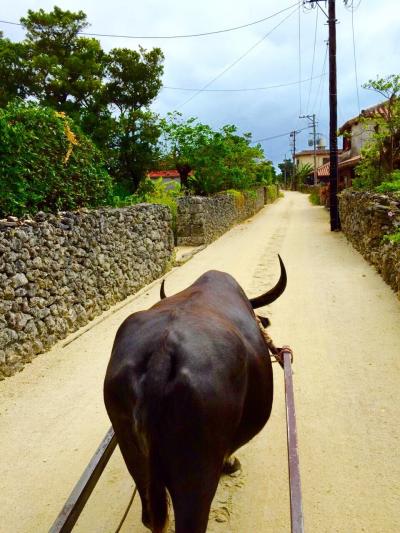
[
  {"x": 365, "y": 219},
  {"x": 59, "y": 272},
  {"x": 202, "y": 219}
]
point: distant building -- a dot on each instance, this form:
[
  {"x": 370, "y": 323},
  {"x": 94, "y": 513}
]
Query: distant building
[
  {"x": 168, "y": 176},
  {"x": 356, "y": 133},
  {"x": 307, "y": 157}
]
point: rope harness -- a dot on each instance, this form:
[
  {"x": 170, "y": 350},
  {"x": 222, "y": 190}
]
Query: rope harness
[{"x": 275, "y": 352}]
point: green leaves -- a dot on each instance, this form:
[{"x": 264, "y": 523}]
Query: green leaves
[
  {"x": 106, "y": 94},
  {"x": 133, "y": 78},
  {"x": 209, "y": 161},
  {"x": 381, "y": 155},
  {"x": 35, "y": 172}
]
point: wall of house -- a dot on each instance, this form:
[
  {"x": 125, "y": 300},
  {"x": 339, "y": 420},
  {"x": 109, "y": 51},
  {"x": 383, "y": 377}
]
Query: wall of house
[
  {"x": 201, "y": 219},
  {"x": 309, "y": 159},
  {"x": 366, "y": 218},
  {"x": 360, "y": 134},
  {"x": 57, "y": 272}
]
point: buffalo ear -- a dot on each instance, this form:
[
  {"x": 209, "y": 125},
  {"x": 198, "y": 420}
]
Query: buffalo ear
[
  {"x": 264, "y": 321},
  {"x": 162, "y": 291}
]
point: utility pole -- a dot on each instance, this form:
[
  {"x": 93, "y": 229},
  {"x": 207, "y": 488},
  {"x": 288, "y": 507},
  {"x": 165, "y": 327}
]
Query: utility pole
[
  {"x": 334, "y": 175},
  {"x": 285, "y": 171},
  {"x": 293, "y": 136},
  {"x": 333, "y": 159},
  {"x": 313, "y": 125}
]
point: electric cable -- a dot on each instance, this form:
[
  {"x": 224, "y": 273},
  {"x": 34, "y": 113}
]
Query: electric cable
[
  {"x": 349, "y": 5},
  {"x": 313, "y": 60},
  {"x": 239, "y": 90},
  {"x": 321, "y": 79},
  {"x": 277, "y": 136},
  {"x": 355, "y": 59},
  {"x": 89, "y": 34},
  {"x": 237, "y": 60},
  {"x": 322, "y": 88},
  {"x": 299, "y": 43}
]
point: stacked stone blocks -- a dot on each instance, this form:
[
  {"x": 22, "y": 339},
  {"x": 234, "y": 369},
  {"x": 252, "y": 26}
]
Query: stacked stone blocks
[
  {"x": 202, "y": 219},
  {"x": 57, "y": 272},
  {"x": 366, "y": 218}
]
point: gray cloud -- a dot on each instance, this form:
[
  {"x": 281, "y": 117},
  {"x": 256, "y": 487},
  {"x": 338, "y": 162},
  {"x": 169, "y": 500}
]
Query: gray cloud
[{"x": 194, "y": 62}]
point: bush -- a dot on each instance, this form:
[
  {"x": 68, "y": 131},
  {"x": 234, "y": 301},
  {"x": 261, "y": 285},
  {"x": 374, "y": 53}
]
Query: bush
[
  {"x": 392, "y": 185},
  {"x": 46, "y": 163},
  {"x": 315, "y": 197},
  {"x": 272, "y": 193},
  {"x": 153, "y": 192},
  {"x": 393, "y": 237},
  {"x": 238, "y": 198}
]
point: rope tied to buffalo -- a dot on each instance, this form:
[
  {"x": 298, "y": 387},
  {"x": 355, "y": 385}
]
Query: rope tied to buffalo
[{"x": 277, "y": 353}]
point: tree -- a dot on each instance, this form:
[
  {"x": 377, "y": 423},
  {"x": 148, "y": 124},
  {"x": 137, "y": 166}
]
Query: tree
[
  {"x": 133, "y": 78},
  {"x": 217, "y": 159},
  {"x": 287, "y": 169},
  {"x": 302, "y": 172},
  {"x": 182, "y": 143},
  {"x": 265, "y": 173},
  {"x": 12, "y": 71},
  {"x": 381, "y": 155},
  {"x": 133, "y": 148},
  {"x": 65, "y": 70},
  {"x": 107, "y": 95}
]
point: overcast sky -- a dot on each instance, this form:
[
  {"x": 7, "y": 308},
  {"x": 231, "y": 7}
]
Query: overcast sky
[{"x": 194, "y": 62}]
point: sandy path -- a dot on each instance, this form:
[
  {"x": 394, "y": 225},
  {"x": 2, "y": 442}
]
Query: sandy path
[{"x": 344, "y": 324}]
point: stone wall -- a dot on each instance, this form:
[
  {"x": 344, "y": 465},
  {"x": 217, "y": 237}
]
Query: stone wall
[
  {"x": 366, "y": 218},
  {"x": 59, "y": 272},
  {"x": 202, "y": 219}
]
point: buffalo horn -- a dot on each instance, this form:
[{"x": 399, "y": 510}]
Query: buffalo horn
[
  {"x": 272, "y": 294},
  {"x": 162, "y": 291}
]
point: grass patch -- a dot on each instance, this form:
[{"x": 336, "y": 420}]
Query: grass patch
[{"x": 314, "y": 198}]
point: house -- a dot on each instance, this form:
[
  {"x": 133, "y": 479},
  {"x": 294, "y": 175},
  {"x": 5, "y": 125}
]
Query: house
[
  {"x": 306, "y": 157},
  {"x": 168, "y": 177},
  {"x": 356, "y": 133}
]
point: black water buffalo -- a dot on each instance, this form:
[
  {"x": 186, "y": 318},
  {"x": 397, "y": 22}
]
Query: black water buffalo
[{"x": 188, "y": 383}]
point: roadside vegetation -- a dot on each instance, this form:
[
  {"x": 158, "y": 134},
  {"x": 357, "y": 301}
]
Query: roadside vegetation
[
  {"x": 76, "y": 128},
  {"x": 380, "y": 162}
]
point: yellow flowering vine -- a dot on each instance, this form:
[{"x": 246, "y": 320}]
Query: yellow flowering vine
[{"x": 72, "y": 140}]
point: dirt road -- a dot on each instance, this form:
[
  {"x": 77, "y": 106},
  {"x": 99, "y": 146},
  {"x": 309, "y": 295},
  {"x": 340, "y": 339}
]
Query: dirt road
[{"x": 344, "y": 325}]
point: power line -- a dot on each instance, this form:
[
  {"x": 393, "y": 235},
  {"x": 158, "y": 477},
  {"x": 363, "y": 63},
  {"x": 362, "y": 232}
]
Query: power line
[
  {"x": 313, "y": 59},
  {"x": 299, "y": 33},
  {"x": 172, "y": 36},
  {"x": 277, "y": 136},
  {"x": 349, "y": 5},
  {"x": 354, "y": 56},
  {"x": 322, "y": 88},
  {"x": 237, "y": 60},
  {"x": 321, "y": 79},
  {"x": 240, "y": 90}
]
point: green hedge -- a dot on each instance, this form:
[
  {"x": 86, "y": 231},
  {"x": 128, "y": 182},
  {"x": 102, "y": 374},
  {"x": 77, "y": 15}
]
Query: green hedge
[
  {"x": 272, "y": 193},
  {"x": 46, "y": 163}
]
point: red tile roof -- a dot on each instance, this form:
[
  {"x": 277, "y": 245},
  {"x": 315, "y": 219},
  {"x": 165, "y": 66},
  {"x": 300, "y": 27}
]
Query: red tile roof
[
  {"x": 154, "y": 174},
  {"x": 350, "y": 162},
  {"x": 380, "y": 109},
  {"x": 324, "y": 170}
]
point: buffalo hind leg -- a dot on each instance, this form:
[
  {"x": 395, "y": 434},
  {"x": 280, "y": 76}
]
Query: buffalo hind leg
[
  {"x": 192, "y": 501},
  {"x": 138, "y": 466}
]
